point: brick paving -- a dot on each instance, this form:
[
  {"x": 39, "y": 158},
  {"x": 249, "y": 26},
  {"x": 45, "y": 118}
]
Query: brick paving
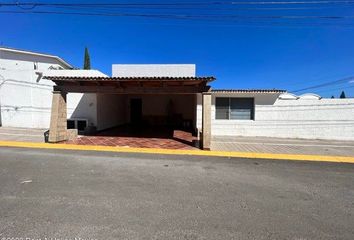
[{"x": 141, "y": 138}]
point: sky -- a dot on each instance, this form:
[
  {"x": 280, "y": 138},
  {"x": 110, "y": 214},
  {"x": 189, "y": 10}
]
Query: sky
[{"x": 242, "y": 54}]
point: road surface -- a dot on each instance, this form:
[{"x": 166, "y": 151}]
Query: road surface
[{"x": 94, "y": 195}]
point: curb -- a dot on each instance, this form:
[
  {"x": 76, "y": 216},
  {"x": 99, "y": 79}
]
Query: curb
[{"x": 295, "y": 157}]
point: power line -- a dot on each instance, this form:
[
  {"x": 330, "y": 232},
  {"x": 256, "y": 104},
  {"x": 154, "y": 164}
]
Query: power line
[
  {"x": 294, "y": 84},
  {"x": 225, "y": 6},
  {"x": 344, "y": 80},
  {"x": 185, "y": 3},
  {"x": 335, "y": 89},
  {"x": 145, "y": 10},
  {"x": 182, "y": 16},
  {"x": 240, "y": 22},
  {"x": 204, "y": 8}
]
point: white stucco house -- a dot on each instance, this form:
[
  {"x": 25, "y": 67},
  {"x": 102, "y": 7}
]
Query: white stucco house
[
  {"x": 25, "y": 98},
  {"x": 157, "y": 94},
  {"x": 145, "y": 93}
]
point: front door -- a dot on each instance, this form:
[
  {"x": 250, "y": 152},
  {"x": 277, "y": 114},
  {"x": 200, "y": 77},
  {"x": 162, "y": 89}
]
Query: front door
[{"x": 136, "y": 108}]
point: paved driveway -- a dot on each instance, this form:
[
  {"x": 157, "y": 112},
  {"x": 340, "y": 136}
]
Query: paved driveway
[{"x": 67, "y": 194}]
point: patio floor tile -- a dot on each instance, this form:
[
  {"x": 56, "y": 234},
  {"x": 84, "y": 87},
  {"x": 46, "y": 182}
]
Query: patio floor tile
[{"x": 159, "y": 138}]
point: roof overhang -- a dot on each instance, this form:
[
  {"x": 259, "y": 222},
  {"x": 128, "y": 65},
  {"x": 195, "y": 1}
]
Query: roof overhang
[
  {"x": 63, "y": 62},
  {"x": 261, "y": 91},
  {"x": 131, "y": 85}
]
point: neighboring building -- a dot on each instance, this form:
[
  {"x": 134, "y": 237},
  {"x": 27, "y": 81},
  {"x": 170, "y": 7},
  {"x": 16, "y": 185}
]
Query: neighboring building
[{"x": 25, "y": 98}]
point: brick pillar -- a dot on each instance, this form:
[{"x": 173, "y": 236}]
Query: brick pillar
[
  {"x": 58, "y": 124},
  {"x": 206, "y": 123}
]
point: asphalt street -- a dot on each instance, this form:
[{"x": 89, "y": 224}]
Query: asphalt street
[{"x": 62, "y": 194}]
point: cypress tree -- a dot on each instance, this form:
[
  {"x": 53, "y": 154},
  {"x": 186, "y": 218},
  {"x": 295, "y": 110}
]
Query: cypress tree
[
  {"x": 87, "y": 61},
  {"x": 342, "y": 95}
]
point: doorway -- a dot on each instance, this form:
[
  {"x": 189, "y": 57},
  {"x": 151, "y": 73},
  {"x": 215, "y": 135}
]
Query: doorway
[{"x": 136, "y": 109}]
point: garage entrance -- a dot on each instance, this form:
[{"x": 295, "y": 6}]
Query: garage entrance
[
  {"x": 139, "y": 112},
  {"x": 145, "y": 120}
]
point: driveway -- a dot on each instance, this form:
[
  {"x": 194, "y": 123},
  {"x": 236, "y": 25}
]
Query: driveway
[{"x": 91, "y": 195}]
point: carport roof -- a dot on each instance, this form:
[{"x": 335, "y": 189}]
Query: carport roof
[
  {"x": 248, "y": 91},
  {"x": 131, "y": 84},
  {"x": 80, "y": 78}
]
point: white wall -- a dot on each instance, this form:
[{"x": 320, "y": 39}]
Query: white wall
[
  {"x": 153, "y": 70},
  {"x": 82, "y": 106},
  {"x": 25, "y": 100},
  {"x": 111, "y": 110},
  {"x": 308, "y": 119}
]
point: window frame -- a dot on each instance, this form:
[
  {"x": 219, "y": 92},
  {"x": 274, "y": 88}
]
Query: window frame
[{"x": 229, "y": 109}]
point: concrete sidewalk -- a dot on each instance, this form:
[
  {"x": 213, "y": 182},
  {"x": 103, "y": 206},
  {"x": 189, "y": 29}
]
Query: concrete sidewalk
[
  {"x": 22, "y": 134},
  {"x": 229, "y": 144},
  {"x": 283, "y": 146}
]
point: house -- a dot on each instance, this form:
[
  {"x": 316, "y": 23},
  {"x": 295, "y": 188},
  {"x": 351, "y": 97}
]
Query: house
[
  {"x": 25, "y": 98},
  {"x": 151, "y": 95},
  {"x": 154, "y": 95}
]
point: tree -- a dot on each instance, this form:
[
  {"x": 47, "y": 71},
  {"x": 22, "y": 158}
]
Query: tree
[
  {"x": 87, "y": 61},
  {"x": 332, "y": 96},
  {"x": 342, "y": 95}
]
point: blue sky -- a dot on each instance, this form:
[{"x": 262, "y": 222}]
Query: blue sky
[{"x": 247, "y": 55}]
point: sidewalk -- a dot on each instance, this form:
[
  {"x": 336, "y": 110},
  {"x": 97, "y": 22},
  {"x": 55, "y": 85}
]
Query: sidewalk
[
  {"x": 226, "y": 144},
  {"x": 22, "y": 134},
  {"x": 283, "y": 146}
]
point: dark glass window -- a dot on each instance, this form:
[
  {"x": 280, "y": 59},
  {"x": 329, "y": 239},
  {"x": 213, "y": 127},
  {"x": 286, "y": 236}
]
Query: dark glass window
[
  {"x": 222, "y": 108},
  {"x": 241, "y": 108},
  {"x": 234, "y": 108}
]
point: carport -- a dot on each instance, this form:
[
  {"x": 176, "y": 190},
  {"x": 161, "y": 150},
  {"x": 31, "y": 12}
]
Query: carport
[{"x": 140, "y": 101}]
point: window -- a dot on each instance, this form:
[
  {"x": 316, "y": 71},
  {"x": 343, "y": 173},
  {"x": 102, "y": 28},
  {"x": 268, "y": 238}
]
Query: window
[
  {"x": 222, "y": 108},
  {"x": 79, "y": 124},
  {"x": 70, "y": 124},
  {"x": 241, "y": 108},
  {"x": 234, "y": 108}
]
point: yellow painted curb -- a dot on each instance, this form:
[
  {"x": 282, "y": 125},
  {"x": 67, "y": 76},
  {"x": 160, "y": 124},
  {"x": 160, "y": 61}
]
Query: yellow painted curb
[{"x": 296, "y": 157}]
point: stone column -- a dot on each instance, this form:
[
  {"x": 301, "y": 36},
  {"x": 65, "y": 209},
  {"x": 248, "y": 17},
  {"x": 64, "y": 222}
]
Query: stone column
[
  {"x": 58, "y": 121},
  {"x": 206, "y": 123}
]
